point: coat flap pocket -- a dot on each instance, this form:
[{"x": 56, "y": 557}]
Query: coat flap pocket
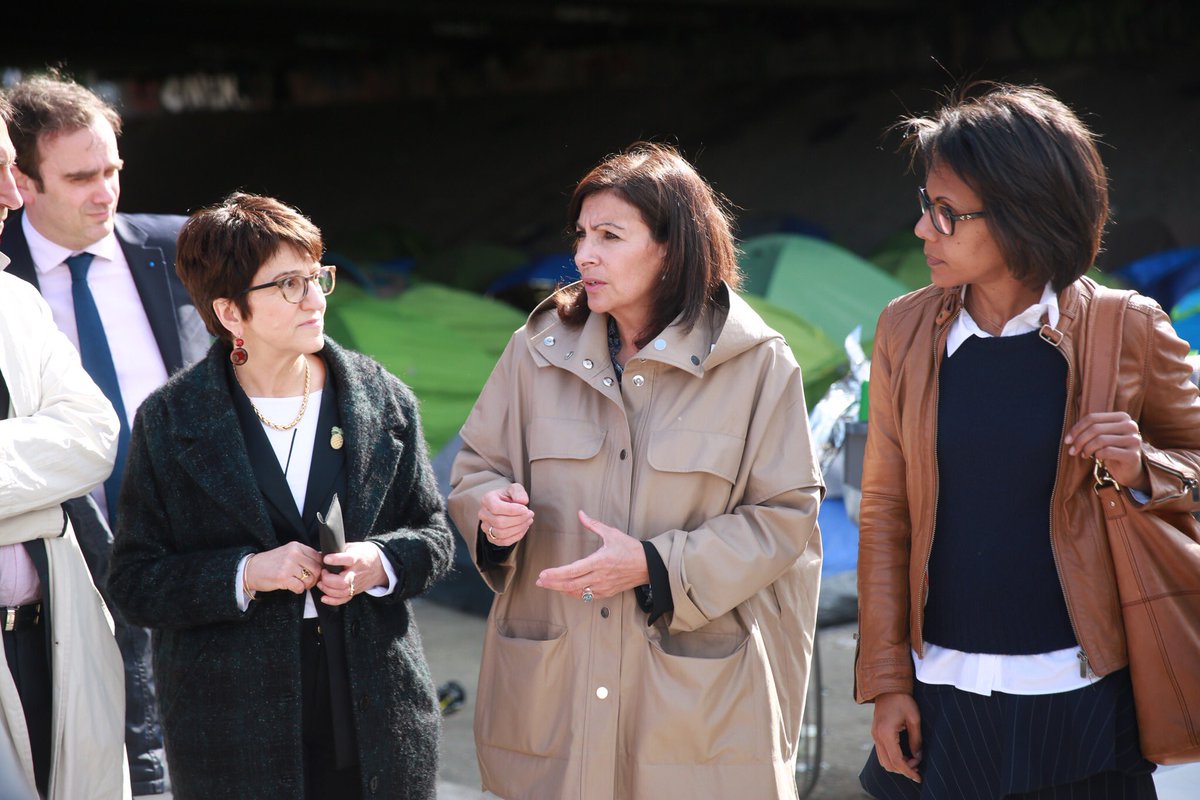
[
  {"x": 563, "y": 438},
  {"x": 696, "y": 451}
]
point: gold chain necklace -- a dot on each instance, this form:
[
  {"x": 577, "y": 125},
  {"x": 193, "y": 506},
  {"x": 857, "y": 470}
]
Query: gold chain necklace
[{"x": 299, "y": 414}]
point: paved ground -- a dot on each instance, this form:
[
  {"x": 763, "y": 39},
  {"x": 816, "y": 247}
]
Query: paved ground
[{"x": 454, "y": 639}]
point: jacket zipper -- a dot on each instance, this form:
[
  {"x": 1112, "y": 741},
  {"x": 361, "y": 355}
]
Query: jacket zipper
[
  {"x": 1189, "y": 484},
  {"x": 1084, "y": 665},
  {"x": 939, "y": 342}
]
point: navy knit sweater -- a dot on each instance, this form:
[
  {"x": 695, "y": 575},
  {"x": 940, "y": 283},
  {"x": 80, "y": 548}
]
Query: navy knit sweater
[{"x": 993, "y": 585}]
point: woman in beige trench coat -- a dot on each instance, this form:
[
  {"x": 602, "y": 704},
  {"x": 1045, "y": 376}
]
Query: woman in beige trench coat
[{"x": 639, "y": 489}]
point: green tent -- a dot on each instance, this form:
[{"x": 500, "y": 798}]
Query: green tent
[
  {"x": 902, "y": 255},
  {"x": 442, "y": 342},
  {"x": 824, "y": 284},
  {"x": 821, "y": 361}
]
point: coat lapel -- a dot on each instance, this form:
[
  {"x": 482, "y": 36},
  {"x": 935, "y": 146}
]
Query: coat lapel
[
  {"x": 327, "y": 462},
  {"x": 148, "y": 267},
  {"x": 372, "y": 447},
  {"x": 212, "y": 450},
  {"x": 271, "y": 480}
]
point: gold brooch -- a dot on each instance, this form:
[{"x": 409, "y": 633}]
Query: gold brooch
[{"x": 336, "y": 440}]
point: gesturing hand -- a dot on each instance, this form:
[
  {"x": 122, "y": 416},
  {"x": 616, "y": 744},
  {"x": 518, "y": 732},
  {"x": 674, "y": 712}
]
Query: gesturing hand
[
  {"x": 619, "y": 564},
  {"x": 1114, "y": 438},
  {"x": 505, "y": 516}
]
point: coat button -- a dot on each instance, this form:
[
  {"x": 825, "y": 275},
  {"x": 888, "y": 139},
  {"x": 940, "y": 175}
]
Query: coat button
[
  {"x": 623, "y": 454},
  {"x": 608, "y": 381},
  {"x": 374, "y": 784},
  {"x": 602, "y": 692},
  {"x": 548, "y": 341},
  {"x": 354, "y": 628},
  {"x": 696, "y": 360},
  {"x": 660, "y": 344},
  {"x": 638, "y": 380},
  {"x": 587, "y": 363},
  {"x": 604, "y": 612}
]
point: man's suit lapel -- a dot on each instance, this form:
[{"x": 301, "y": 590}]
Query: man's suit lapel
[
  {"x": 149, "y": 269},
  {"x": 14, "y": 245}
]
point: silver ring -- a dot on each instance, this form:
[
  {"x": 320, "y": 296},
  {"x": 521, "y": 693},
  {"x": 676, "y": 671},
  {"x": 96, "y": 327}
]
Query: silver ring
[{"x": 587, "y": 594}]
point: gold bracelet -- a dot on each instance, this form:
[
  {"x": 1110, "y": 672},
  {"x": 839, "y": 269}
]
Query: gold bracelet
[{"x": 245, "y": 569}]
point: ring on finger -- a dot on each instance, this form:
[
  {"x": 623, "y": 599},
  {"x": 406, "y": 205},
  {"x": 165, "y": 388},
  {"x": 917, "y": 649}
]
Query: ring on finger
[
  {"x": 352, "y": 587},
  {"x": 305, "y": 574},
  {"x": 587, "y": 594},
  {"x": 491, "y": 531}
]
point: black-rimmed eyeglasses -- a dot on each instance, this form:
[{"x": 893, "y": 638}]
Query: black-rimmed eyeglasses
[
  {"x": 294, "y": 288},
  {"x": 940, "y": 215}
]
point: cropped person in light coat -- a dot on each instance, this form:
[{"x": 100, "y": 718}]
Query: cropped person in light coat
[
  {"x": 62, "y": 694},
  {"x": 639, "y": 488},
  {"x": 280, "y": 677}
]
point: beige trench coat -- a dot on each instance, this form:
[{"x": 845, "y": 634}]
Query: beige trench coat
[{"x": 704, "y": 451}]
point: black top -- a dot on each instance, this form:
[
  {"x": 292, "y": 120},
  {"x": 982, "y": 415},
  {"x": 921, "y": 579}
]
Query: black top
[{"x": 993, "y": 583}]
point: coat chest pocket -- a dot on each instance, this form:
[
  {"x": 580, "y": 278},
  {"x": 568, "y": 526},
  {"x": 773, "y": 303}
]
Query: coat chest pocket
[
  {"x": 568, "y": 439},
  {"x": 565, "y": 468},
  {"x": 696, "y": 469}
]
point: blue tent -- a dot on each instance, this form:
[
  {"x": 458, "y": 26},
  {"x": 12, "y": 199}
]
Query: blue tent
[{"x": 1166, "y": 276}]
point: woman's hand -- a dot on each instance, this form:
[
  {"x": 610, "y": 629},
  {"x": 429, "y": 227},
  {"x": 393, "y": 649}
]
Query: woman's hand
[
  {"x": 896, "y": 712},
  {"x": 1114, "y": 438},
  {"x": 505, "y": 516},
  {"x": 618, "y": 565},
  {"x": 293, "y": 566},
  {"x": 362, "y": 569}
]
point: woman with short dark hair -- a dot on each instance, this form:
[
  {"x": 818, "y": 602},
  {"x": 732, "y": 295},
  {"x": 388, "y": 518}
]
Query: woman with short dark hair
[
  {"x": 990, "y": 630},
  {"x": 638, "y": 486},
  {"x": 283, "y": 672}
]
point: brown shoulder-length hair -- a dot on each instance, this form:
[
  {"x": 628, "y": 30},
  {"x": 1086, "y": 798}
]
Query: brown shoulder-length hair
[
  {"x": 220, "y": 248},
  {"x": 1034, "y": 165},
  {"x": 683, "y": 213}
]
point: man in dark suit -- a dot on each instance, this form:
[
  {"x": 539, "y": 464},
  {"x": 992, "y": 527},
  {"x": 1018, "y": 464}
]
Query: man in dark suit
[{"x": 110, "y": 281}]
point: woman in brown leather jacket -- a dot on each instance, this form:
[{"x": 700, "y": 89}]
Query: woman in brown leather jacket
[{"x": 990, "y": 641}]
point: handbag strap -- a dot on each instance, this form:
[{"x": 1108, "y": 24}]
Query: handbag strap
[{"x": 1101, "y": 359}]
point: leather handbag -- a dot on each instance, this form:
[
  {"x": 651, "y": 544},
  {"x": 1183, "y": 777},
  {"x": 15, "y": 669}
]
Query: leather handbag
[{"x": 1156, "y": 558}]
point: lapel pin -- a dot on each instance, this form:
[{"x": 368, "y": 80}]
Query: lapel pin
[{"x": 336, "y": 440}]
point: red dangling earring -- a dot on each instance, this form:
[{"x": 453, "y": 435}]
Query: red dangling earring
[{"x": 238, "y": 355}]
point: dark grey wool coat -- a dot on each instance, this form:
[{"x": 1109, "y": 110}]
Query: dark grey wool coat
[{"x": 229, "y": 683}]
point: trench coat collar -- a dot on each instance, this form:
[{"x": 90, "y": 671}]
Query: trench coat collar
[
  {"x": 211, "y": 447},
  {"x": 725, "y": 329}
]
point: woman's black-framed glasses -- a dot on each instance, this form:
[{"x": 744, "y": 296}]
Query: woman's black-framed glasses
[
  {"x": 940, "y": 215},
  {"x": 294, "y": 288}
]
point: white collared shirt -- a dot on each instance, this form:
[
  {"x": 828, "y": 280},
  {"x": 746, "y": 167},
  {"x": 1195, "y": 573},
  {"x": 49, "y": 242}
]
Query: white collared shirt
[
  {"x": 984, "y": 673},
  {"x": 135, "y": 353}
]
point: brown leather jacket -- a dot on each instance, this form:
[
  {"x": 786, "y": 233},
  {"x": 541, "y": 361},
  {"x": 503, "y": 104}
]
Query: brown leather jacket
[{"x": 900, "y": 480}]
